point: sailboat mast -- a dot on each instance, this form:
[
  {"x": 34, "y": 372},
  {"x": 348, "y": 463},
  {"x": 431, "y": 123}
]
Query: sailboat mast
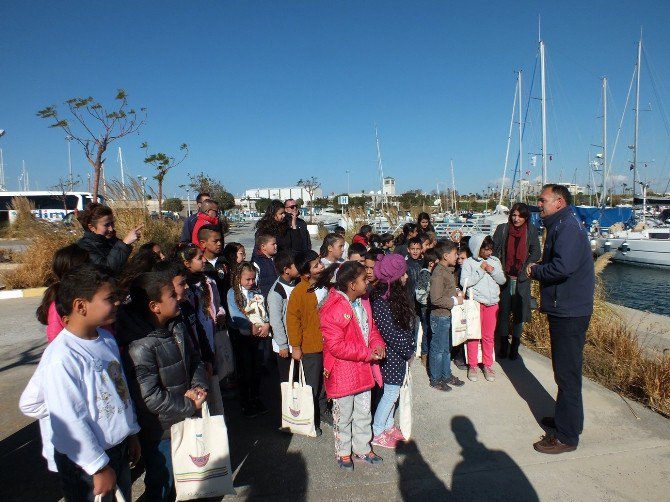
[
  {"x": 380, "y": 167},
  {"x": 544, "y": 113},
  {"x": 2, "y": 172},
  {"x": 453, "y": 187},
  {"x": 123, "y": 177},
  {"x": 604, "y": 201},
  {"x": 520, "y": 142},
  {"x": 509, "y": 142},
  {"x": 637, "y": 114}
]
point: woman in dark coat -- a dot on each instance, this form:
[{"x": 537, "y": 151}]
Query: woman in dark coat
[
  {"x": 273, "y": 222},
  {"x": 100, "y": 240},
  {"x": 516, "y": 244},
  {"x": 424, "y": 225}
]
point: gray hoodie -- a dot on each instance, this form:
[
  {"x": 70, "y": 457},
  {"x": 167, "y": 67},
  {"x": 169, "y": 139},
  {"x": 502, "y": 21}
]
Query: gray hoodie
[{"x": 485, "y": 286}]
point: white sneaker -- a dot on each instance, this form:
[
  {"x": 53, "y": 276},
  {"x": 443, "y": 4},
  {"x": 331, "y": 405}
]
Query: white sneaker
[
  {"x": 489, "y": 374},
  {"x": 472, "y": 374}
]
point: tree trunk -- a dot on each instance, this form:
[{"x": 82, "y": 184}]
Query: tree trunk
[
  {"x": 96, "y": 181},
  {"x": 160, "y": 199}
]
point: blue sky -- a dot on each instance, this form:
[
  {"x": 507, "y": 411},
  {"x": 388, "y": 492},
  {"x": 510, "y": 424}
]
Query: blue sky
[{"x": 267, "y": 92}]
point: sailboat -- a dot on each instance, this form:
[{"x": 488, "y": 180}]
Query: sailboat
[{"x": 648, "y": 242}]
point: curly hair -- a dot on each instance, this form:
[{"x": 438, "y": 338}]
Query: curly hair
[{"x": 402, "y": 311}]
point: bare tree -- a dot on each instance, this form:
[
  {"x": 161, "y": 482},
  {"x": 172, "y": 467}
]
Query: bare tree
[
  {"x": 311, "y": 185},
  {"x": 94, "y": 127},
  {"x": 64, "y": 187},
  {"x": 162, "y": 163}
]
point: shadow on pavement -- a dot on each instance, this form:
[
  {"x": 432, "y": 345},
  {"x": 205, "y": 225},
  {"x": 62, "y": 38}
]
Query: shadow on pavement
[
  {"x": 485, "y": 473},
  {"x": 29, "y": 356},
  {"x": 23, "y": 470},
  {"x": 416, "y": 480},
  {"x": 539, "y": 401},
  {"x": 260, "y": 451}
]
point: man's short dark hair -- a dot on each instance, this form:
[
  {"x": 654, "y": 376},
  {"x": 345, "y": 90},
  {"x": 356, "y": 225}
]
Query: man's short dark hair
[
  {"x": 339, "y": 230},
  {"x": 559, "y": 191},
  {"x": 284, "y": 260},
  {"x": 201, "y": 196}
]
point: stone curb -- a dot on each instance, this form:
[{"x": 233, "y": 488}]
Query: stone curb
[{"x": 22, "y": 293}]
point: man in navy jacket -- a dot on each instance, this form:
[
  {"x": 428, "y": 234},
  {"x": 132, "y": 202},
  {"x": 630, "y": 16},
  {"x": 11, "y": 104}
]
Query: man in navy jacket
[{"x": 567, "y": 284}]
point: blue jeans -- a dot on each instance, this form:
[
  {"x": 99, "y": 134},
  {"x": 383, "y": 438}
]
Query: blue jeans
[
  {"x": 440, "y": 348},
  {"x": 384, "y": 414},
  {"x": 78, "y": 486},
  {"x": 158, "y": 476}
]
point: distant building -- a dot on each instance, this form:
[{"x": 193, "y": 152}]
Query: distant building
[
  {"x": 389, "y": 186},
  {"x": 535, "y": 187},
  {"x": 281, "y": 193}
]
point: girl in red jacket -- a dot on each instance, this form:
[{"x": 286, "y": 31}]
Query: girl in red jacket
[{"x": 351, "y": 347}]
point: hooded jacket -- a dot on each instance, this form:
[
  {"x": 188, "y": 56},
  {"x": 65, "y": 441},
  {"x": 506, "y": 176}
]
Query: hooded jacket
[
  {"x": 485, "y": 286},
  {"x": 566, "y": 272},
  {"x": 111, "y": 253},
  {"x": 267, "y": 274},
  {"x": 161, "y": 365},
  {"x": 201, "y": 221},
  {"x": 346, "y": 356}
]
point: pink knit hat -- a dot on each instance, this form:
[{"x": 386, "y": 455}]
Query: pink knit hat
[{"x": 390, "y": 268}]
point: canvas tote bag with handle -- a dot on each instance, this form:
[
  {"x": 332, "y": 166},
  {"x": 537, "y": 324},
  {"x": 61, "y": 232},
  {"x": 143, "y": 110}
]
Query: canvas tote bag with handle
[
  {"x": 465, "y": 320},
  {"x": 118, "y": 496},
  {"x": 201, "y": 457},
  {"x": 297, "y": 404},
  {"x": 405, "y": 405}
]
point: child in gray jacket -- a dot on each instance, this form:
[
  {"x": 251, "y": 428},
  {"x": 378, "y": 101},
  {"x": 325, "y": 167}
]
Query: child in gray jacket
[{"x": 483, "y": 274}]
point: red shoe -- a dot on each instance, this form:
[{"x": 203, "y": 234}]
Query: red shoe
[
  {"x": 384, "y": 440},
  {"x": 396, "y": 434}
]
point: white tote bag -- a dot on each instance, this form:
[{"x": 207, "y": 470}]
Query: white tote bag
[
  {"x": 223, "y": 356},
  {"x": 405, "y": 405},
  {"x": 201, "y": 457},
  {"x": 465, "y": 320},
  {"x": 297, "y": 404}
]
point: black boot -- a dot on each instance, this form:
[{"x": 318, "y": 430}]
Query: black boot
[
  {"x": 504, "y": 347},
  {"x": 514, "y": 349}
]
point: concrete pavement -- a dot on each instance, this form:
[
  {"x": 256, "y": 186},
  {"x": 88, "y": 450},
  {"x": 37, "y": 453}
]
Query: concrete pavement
[{"x": 472, "y": 443}]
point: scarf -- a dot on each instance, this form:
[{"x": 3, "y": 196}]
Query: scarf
[{"x": 516, "y": 253}]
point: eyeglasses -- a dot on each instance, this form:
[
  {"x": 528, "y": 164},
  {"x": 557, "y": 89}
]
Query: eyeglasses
[{"x": 291, "y": 207}]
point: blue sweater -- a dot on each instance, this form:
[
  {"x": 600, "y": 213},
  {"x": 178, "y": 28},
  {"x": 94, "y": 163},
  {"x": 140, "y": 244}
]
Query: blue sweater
[{"x": 566, "y": 273}]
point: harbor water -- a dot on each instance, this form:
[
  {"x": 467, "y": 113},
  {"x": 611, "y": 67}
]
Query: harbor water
[{"x": 639, "y": 288}]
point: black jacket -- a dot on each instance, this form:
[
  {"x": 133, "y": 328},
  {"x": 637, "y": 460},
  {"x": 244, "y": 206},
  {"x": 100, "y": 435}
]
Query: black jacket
[
  {"x": 267, "y": 274},
  {"x": 161, "y": 366},
  {"x": 112, "y": 253},
  {"x": 220, "y": 274},
  {"x": 300, "y": 240},
  {"x": 566, "y": 273}
]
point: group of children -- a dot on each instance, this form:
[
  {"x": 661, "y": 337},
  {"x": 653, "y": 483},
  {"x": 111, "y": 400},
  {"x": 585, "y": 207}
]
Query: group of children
[{"x": 138, "y": 342}]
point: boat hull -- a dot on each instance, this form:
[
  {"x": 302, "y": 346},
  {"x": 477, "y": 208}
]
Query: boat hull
[{"x": 642, "y": 252}]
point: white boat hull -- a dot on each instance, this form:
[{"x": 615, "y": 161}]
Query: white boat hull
[{"x": 643, "y": 252}]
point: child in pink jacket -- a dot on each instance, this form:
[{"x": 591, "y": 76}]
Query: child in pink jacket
[{"x": 351, "y": 348}]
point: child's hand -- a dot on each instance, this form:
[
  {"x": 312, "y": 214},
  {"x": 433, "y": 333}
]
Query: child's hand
[
  {"x": 283, "y": 353},
  {"x": 265, "y": 330},
  {"x": 200, "y": 399},
  {"x": 104, "y": 481},
  {"x": 326, "y": 373},
  {"x": 297, "y": 353},
  {"x": 134, "y": 450},
  {"x": 459, "y": 300}
]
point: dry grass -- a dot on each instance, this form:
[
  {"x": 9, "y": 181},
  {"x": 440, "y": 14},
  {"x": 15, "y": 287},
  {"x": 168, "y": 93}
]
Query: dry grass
[
  {"x": 25, "y": 223},
  {"x": 35, "y": 263},
  {"x": 613, "y": 355}
]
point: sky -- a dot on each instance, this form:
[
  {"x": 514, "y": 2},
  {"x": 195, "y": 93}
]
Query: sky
[{"x": 268, "y": 92}]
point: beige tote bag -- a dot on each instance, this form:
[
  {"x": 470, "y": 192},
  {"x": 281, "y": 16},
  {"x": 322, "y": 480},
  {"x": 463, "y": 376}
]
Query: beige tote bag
[
  {"x": 297, "y": 404},
  {"x": 201, "y": 457},
  {"x": 405, "y": 405}
]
